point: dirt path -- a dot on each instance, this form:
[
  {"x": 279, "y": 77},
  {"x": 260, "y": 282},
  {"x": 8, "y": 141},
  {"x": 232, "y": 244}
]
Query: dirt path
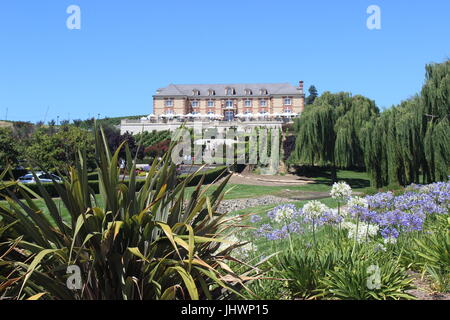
[
  {"x": 423, "y": 289},
  {"x": 262, "y": 180}
]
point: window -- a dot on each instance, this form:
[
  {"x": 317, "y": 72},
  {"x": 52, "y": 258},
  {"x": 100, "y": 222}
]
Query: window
[
  {"x": 287, "y": 101},
  {"x": 230, "y": 91},
  {"x": 210, "y": 103},
  {"x": 287, "y": 110},
  {"x": 229, "y": 104},
  {"x": 195, "y": 104},
  {"x": 248, "y": 103},
  {"x": 169, "y": 103},
  {"x": 248, "y": 92},
  {"x": 264, "y": 92},
  {"x": 169, "y": 111},
  {"x": 211, "y": 92},
  {"x": 195, "y": 92},
  {"x": 262, "y": 103}
]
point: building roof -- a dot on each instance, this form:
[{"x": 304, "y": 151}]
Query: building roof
[{"x": 220, "y": 89}]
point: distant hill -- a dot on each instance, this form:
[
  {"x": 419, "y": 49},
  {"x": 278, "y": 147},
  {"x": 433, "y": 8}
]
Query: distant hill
[
  {"x": 116, "y": 120},
  {"x": 87, "y": 123},
  {"x": 5, "y": 124}
]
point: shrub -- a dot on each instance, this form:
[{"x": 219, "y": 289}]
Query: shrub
[
  {"x": 356, "y": 277},
  {"x": 143, "y": 243}
]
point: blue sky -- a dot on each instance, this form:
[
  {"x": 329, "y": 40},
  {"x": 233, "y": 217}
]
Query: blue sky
[{"x": 125, "y": 50}]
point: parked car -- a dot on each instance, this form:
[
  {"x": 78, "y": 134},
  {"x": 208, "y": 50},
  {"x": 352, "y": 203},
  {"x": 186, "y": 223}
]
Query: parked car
[{"x": 42, "y": 176}]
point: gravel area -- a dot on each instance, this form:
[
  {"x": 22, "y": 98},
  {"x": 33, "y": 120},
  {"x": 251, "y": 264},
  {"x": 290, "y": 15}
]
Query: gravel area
[{"x": 240, "y": 204}]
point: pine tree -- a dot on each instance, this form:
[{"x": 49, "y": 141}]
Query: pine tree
[{"x": 312, "y": 95}]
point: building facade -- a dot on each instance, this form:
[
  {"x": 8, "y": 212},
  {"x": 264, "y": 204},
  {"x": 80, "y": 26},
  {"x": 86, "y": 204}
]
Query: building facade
[
  {"x": 222, "y": 106},
  {"x": 229, "y": 101}
]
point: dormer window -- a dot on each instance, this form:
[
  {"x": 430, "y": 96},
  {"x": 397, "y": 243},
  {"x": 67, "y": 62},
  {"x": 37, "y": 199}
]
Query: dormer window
[
  {"x": 263, "y": 92},
  {"x": 230, "y": 91},
  {"x": 195, "y": 92},
  {"x": 248, "y": 92},
  {"x": 211, "y": 92}
]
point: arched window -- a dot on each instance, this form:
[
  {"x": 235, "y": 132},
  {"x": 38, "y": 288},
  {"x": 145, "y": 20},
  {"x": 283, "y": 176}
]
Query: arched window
[
  {"x": 248, "y": 92},
  {"x": 230, "y": 91},
  {"x": 211, "y": 92},
  {"x": 263, "y": 92},
  {"x": 195, "y": 92}
]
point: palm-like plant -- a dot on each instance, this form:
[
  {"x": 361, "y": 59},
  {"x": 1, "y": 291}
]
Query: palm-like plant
[{"x": 153, "y": 243}]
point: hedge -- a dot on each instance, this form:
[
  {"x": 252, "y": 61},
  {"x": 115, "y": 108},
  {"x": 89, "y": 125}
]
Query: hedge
[{"x": 210, "y": 176}]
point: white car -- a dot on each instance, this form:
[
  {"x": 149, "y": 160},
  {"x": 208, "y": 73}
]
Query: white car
[{"x": 42, "y": 176}]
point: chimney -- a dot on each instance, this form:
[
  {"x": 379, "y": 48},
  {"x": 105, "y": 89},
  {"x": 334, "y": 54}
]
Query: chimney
[{"x": 300, "y": 86}]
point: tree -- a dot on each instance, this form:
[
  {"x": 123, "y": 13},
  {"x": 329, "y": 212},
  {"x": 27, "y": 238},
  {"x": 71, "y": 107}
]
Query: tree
[
  {"x": 115, "y": 139},
  {"x": 312, "y": 95},
  {"x": 316, "y": 138},
  {"x": 8, "y": 147},
  {"x": 329, "y": 132},
  {"x": 413, "y": 138},
  {"x": 57, "y": 151}
]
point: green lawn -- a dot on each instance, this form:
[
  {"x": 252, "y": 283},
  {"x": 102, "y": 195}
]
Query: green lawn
[{"x": 358, "y": 181}]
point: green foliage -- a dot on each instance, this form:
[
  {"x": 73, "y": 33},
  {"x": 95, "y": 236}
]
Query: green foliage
[
  {"x": 328, "y": 133},
  {"x": 432, "y": 254},
  {"x": 412, "y": 139},
  {"x": 305, "y": 267},
  {"x": 51, "y": 189},
  {"x": 397, "y": 146},
  {"x": 351, "y": 279},
  {"x": 54, "y": 152},
  {"x": 312, "y": 95},
  {"x": 151, "y": 138},
  {"x": 151, "y": 243},
  {"x": 8, "y": 148}
]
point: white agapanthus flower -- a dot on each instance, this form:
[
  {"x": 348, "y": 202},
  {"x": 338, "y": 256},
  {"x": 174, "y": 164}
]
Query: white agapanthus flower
[
  {"x": 358, "y": 202},
  {"x": 390, "y": 240},
  {"x": 341, "y": 191},
  {"x": 361, "y": 232},
  {"x": 240, "y": 252},
  {"x": 284, "y": 213},
  {"x": 314, "y": 209}
]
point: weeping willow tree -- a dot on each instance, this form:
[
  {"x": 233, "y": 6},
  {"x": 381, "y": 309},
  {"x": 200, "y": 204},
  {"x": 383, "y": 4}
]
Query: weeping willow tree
[
  {"x": 435, "y": 116},
  {"x": 328, "y": 132},
  {"x": 316, "y": 137},
  {"x": 412, "y": 139}
]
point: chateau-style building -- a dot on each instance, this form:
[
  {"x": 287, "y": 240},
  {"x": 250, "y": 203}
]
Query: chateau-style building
[
  {"x": 229, "y": 101},
  {"x": 221, "y": 105}
]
